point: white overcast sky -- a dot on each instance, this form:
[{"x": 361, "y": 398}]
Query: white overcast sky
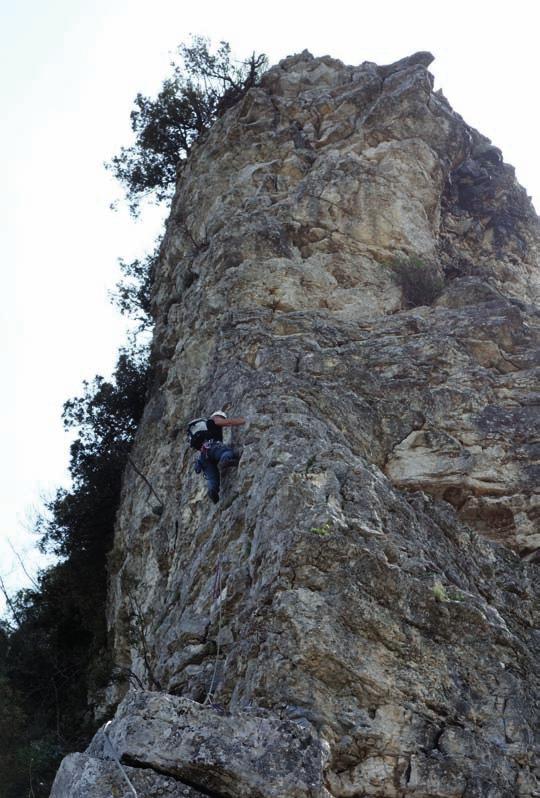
[{"x": 70, "y": 71}]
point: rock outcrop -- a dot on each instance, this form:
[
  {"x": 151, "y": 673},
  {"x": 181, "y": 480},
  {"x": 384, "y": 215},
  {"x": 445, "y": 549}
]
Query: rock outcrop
[
  {"x": 249, "y": 754},
  {"x": 359, "y": 615}
]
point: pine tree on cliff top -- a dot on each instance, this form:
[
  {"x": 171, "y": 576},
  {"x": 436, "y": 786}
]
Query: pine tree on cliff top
[{"x": 201, "y": 88}]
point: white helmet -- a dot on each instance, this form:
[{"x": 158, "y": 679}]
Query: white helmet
[{"x": 219, "y": 413}]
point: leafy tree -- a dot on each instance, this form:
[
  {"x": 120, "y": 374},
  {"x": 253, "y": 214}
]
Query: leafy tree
[
  {"x": 133, "y": 294},
  {"x": 48, "y": 663},
  {"x": 53, "y": 655},
  {"x": 12, "y": 724},
  {"x": 106, "y": 416},
  {"x": 203, "y": 85}
]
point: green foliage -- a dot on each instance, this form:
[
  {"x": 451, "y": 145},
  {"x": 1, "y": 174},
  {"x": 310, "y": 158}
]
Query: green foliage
[
  {"x": 439, "y": 592},
  {"x": 443, "y": 594},
  {"x": 12, "y": 724},
  {"x": 202, "y": 86},
  {"x": 323, "y": 530},
  {"x": 133, "y": 294},
  {"x": 27, "y": 762},
  {"x": 310, "y": 463},
  {"x": 49, "y": 659},
  {"x": 420, "y": 282}
]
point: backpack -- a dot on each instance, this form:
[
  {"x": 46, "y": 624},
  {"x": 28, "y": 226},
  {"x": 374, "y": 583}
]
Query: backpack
[{"x": 197, "y": 432}]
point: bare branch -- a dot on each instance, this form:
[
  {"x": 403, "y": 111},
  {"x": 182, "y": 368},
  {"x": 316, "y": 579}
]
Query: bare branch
[
  {"x": 21, "y": 563},
  {"x": 141, "y": 627},
  {"x": 9, "y": 601}
]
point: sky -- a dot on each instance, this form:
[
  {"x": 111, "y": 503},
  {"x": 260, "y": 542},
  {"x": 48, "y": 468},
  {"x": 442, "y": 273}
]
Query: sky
[{"x": 70, "y": 72}]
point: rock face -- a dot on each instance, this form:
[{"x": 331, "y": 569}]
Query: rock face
[{"x": 358, "y": 610}]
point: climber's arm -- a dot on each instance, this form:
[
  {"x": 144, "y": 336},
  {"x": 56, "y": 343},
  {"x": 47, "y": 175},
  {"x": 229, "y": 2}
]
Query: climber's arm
[{"x": 219, "y": 421}]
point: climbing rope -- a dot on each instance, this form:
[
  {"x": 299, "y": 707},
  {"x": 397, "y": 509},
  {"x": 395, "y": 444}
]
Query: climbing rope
[
  {"x": 216, "y": 594},
  {"x": 151, "y": 487},
  {"x": 117, "y": 760}
]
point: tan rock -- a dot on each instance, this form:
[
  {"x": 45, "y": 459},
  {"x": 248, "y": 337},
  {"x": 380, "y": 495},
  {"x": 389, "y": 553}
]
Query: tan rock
[{"x": 358, "y": 597}]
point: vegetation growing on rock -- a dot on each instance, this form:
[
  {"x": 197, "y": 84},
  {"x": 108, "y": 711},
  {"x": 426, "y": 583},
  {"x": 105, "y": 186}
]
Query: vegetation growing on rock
[
  {"x": 203, "y": 85},
  {"x": 421, "y": 282}
]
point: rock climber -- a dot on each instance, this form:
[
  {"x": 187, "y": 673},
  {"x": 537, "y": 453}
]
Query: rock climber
[{"x": 206, "y": 436}]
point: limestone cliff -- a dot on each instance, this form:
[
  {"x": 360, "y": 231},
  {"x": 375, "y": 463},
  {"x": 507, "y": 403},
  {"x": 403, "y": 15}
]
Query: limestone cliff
[{"x": 358, "y": 611}]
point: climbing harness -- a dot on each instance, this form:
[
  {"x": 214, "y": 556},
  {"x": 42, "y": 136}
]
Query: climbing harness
[
  {"x": 207, "y": 445},
  {"x": 117, "y": 760}
]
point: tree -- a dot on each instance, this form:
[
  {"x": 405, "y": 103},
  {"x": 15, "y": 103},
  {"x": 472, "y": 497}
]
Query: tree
[
  {"x": 203, "y": 86},
  {"x": 106, "y": 416},
  {"x": 133, "y": 294},
  {"x": 53, "y": 657},
  {"x": 55, "y": 653}
]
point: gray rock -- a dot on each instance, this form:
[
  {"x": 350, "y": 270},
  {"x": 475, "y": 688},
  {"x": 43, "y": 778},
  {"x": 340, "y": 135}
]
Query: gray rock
[
  {"x": 367, "y": 552},
  {"x": 237, "y": 754},
  {"x": 82, "y": 776}
]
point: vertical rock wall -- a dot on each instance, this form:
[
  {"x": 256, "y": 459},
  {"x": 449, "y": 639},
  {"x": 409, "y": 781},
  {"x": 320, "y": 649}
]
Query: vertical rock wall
[{"x": 346, "y": 586}]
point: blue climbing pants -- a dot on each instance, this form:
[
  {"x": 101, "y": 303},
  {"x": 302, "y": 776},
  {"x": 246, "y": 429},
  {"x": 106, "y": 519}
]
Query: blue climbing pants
[{"x": 214, "y": 455}]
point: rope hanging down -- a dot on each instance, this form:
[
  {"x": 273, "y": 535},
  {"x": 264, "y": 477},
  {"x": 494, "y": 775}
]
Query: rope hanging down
[
  {"x": 151, "y": 487},
  {"x": 117, "y": 760},
  {"x": 216, "y": 593}
]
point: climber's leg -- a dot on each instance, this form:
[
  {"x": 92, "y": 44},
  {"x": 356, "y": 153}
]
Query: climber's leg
[
  {"x": 223, "y": 456},
  {"x": 228, "y": 459},
  {"x": 211, "y": 474}
]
